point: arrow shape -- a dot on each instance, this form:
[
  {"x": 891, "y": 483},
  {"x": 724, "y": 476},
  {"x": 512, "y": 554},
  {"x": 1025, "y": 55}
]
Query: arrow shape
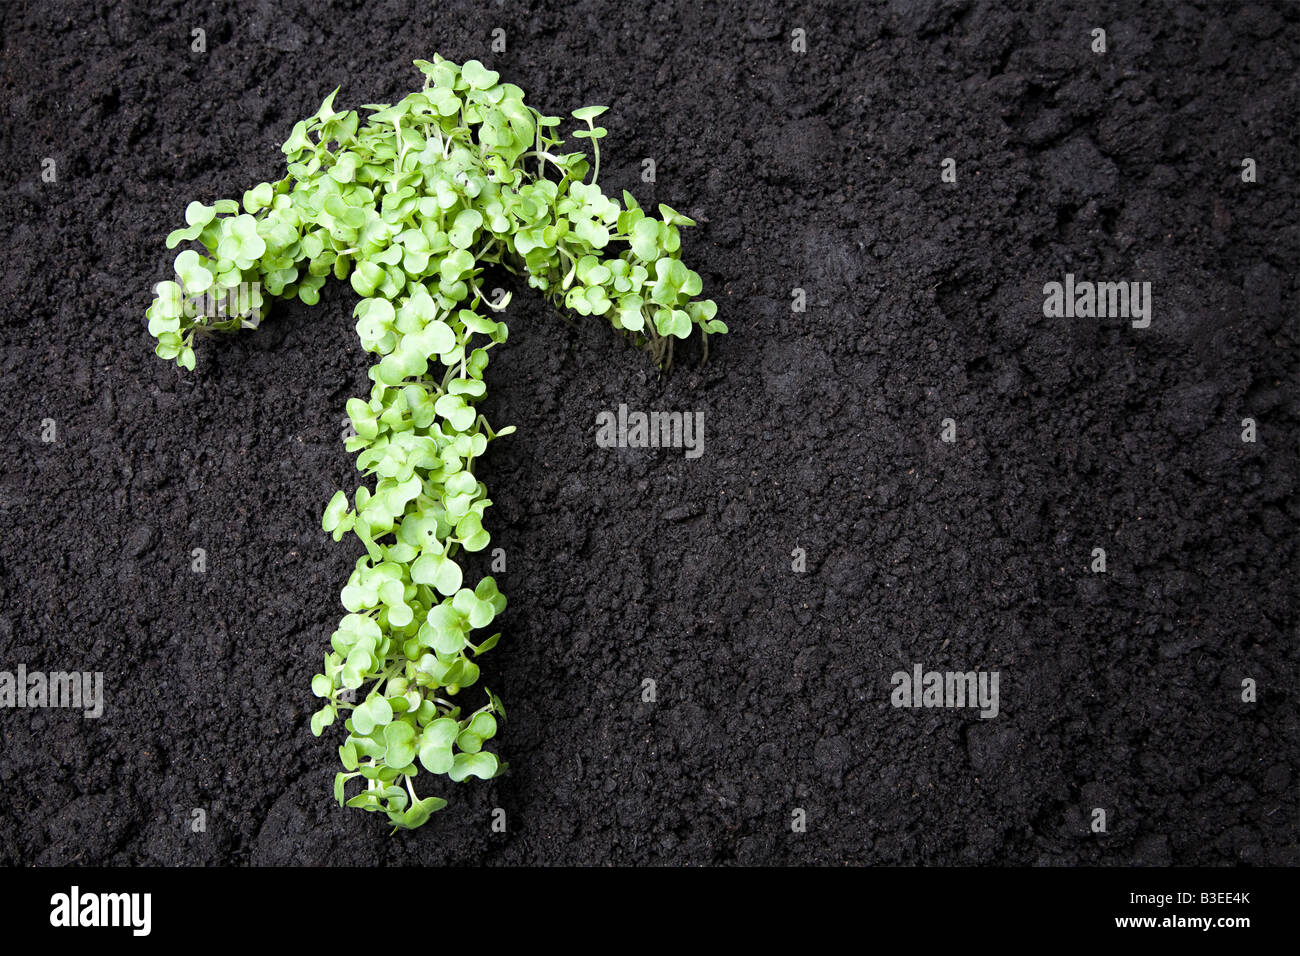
[{"x": 410, "y": 206}]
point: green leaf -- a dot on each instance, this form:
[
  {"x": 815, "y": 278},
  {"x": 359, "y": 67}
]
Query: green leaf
[
  {"x": 375, "y": 712},
  {"x": 400, "y": 738},
  {"x": 477, "y": 611},
  {"x": 322, "y": 719},
  {"x": 465, "y": 765},
  {"x": 456, "y": 264},
  {"x": 672, "y": 217},
  {"x": 470, "y": 531},
  {"x": 348, "y": 755},
  {"x": 367, "y": 278},
  {"x": 629, "y": 313},
  {"x": 645, "y": 239},
  {"x": 437, "y": 570},
  {"x": 484, "y": 726},
  {"x": 436, "y": 338},
  {"x": 454, "y": 409},
  {"x": 436, "y": 745},
  {"x": 420, "y": 811},
  {"x": 478, "y": 76},
  {"x": 335, "y": 511},
  {"x": 462, "y": 232},
  {"x": 444, "y": 101},
  {"x": 195, "y": 276},
  {"x": 258, "y": 198},
  {"x": 487, "y": 645},
  {"x": 362, "y": 722}
]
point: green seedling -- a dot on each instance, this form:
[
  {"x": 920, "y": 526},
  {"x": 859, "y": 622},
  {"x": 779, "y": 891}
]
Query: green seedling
[{"x": 410, "y": 206}]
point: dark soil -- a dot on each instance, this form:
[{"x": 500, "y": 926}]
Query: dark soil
[{"x": 820, "y": 171}]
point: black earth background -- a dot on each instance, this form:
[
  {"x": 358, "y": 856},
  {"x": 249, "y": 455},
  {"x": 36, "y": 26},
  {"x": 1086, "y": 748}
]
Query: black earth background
[{"x": 818, "y": 171}]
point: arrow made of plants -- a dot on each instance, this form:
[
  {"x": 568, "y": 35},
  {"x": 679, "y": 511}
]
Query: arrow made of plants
[{"x": 411, "y": 205}]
